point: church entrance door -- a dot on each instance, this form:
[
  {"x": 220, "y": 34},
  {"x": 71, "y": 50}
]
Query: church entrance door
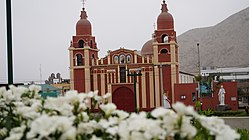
[{"x": 124, "y": 99}]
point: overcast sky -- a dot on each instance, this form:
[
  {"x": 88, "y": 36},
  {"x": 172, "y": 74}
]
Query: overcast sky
[{"x": 43, "y": 29}]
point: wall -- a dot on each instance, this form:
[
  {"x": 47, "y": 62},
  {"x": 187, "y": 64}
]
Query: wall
[{"x": 186, "y": 90}]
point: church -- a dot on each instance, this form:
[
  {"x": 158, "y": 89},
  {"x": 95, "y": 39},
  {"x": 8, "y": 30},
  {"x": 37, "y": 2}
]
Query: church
[{"x": 136, "y": 79}]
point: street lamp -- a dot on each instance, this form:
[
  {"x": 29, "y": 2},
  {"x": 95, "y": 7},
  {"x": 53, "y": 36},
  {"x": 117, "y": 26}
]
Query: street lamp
[
  {"x": 9, "y": 42},
  {"x": 134, "y": 75},
  {"x": 199, "y": 68},
  {"x": 199, "y": 62}
]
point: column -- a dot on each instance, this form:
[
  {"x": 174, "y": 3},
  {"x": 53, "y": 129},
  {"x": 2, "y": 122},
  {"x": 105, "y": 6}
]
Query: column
[
  {"x": 102, "y": 77},
  {"x": 144, "y": 99},
  {"x": 157, "y": 89},
  {"x": 152, "y": 97}
]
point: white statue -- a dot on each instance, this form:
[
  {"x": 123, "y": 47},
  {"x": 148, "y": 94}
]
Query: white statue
[
  {"x": 166, "y": 103},
  {"x": 221, "y": 95}
]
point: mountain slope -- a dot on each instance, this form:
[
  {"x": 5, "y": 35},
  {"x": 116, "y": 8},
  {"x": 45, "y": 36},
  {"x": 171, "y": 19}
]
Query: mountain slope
[{"x": 223, "y": 45}]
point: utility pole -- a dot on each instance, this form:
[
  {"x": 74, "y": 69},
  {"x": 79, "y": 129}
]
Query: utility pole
[
  {"x": 199, "y": 67},
  {"x": 199, "y": 62},
  {"x": 9, "y": 42},
  {"x": 40, "y": 74},
  {"x": 134, "y": 75}
]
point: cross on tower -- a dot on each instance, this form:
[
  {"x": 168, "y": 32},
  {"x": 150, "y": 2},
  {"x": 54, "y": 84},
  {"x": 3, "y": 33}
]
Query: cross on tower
[{"x": 83, "y": 3}]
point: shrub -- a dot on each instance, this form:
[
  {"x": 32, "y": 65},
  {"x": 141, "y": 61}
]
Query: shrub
[
  {"x": 243, "y": 133},
  {"x": 229, "y": 113},
  {"x": 25, "y": 116}
]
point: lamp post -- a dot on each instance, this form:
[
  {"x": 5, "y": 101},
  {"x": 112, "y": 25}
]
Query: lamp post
[
  {"x": 199, "y": 69},
  {"x": 134, "y": 75},
  {"x": 9, "y": 42},
  {"x": 199, "y": 62}
]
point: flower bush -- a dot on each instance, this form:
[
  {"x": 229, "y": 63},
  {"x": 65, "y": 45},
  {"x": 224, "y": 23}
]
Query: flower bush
[{"x": 25, "y": 115}]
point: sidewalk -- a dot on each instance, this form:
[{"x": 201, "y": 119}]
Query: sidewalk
[{"x": 237, "y": 122}]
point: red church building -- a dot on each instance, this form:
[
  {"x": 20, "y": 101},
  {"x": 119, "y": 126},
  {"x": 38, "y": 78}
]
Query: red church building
[
  {"x": 136, "y": 79},
  {"x": 155, "y": 67}
]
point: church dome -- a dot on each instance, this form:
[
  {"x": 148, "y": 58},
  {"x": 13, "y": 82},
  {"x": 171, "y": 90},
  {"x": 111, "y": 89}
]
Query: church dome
[
  {"x": 165, "y": 19},
  {"x": 147, "y": 48},
  {"x": 83, "y": 26}
]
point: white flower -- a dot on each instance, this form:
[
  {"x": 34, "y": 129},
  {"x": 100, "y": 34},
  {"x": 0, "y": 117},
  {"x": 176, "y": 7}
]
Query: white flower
[
  {"x": 85, "y": 116},
  {"x": 3, "y": 132},
  {"x": 138, "y": 126},
  {"x": 2, "y": 91},
  {"x": 90, "y": 94},
  {"x": 59, "y": 104},
  {"x": 9, "y": 97},
  {"x": 69, "y": 134},
  {"x": 64, "y": 125},
  {"x": 88, "y": 128},
  {"x": 108, "y": 123},
  {"x": 213, "y": 124},
  {"x": 97, "y": 98},
  {"x": 112, "y": 130},
  {"x": 161, "y": 112},
  {"x": 218, "y": 128},
  {"x": 73, "y": 97},
  {"x": 227, "y": 134},
  {"x": 107, "y": 95},
  {"x": 137, "y": 136},
  {"x": 36, "y": 105},
  {"x": 35, "y": 88},
  {"x": 108, "y": 108},
  {"x": 27, "y": 112},
  {"x": 169, "y": 123},
  {"x": 181, "y": 109},
  {"x": 121, "y": 114},
  {"x": 104, "y": 123},
  {"x": 18, "y": 91},
  {"x": 43, "y": 126},
  {"x": 122, "y": 130},
  {"x": 47, "y": 125},
  {"x": 141, "y": 115},
  {"x": 187, "y": 129},
  {"x": 16, "y": 133},
  {"x": 95, "y": 138}
]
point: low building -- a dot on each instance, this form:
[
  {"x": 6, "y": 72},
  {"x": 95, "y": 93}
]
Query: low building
[
  {"x": 239, "y": 74},
  {"x": 186, "y": 77}
]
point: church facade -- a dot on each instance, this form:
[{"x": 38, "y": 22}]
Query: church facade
[{"x": 136, "y": 79}]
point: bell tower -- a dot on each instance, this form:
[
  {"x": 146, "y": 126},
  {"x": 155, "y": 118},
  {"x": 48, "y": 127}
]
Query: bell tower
[
  {"x": 83, "y": 54},
  {"x": 165, "y": 52}
]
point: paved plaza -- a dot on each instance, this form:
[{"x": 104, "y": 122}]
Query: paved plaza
[{"x": 237, "y": 122}]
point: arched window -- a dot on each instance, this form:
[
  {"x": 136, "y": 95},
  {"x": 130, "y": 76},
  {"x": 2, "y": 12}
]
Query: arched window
[
  {"x": 122, "y": 59},
  {"x": 81, "y": 43},
  {"x": 79, "y": 60},
  {"x": 93, "y": 63},
  {"x": 122, "y": 75},
  {"x": 165, "y": 38},
  {"x": 115, "y": 59},
  {"x": 91, "y": 44},
  {"x": 128, "y": 59},
  {"x": 164, "y": 51}
]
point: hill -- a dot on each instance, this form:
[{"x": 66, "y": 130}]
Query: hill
[{"x": 223, "y": 45}]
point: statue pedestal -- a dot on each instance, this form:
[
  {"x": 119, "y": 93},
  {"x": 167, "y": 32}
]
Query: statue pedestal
[{"x": 222, "y": 108}]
